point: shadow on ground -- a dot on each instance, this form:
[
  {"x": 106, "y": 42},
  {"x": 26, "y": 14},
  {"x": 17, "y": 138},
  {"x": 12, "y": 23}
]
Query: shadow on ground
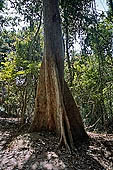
[{"x": 40, "y": 151}]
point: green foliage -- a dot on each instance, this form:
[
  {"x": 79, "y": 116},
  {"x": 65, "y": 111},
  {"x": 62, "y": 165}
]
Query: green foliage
[
  {"x": 7, "y": 40},
  {"x": 19, "y": 73},
  {"x": 1, "y": 5},
  {"x": 30, "y": 10},
  {"x": 87, "y": 90},
  {"x": 93, "y": 76}
]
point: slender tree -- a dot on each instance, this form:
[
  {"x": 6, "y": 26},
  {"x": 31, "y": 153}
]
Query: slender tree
[{"x": 55, "y": 108}]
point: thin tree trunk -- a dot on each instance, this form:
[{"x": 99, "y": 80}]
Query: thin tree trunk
[{"x": 67, "y": 47}]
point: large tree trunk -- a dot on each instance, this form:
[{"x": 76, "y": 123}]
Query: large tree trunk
[{"x": 55, "y": 108}]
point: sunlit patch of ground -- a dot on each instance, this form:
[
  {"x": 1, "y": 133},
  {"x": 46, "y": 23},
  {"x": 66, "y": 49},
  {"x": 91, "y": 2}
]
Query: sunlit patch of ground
[
  {"x": 39, "y": 151},
  {"x": 23, "y": 154}
]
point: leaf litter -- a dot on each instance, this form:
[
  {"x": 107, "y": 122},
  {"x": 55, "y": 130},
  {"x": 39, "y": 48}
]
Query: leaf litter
[{"x": 39, "y": 150}]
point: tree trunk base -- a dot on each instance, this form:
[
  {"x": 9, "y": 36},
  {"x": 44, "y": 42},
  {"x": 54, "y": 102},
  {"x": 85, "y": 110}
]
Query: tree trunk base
[{"x": 55, "y": 108}]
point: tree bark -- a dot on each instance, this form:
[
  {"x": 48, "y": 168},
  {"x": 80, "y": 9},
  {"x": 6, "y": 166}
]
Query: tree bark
[{"x": 55, "y": 108}]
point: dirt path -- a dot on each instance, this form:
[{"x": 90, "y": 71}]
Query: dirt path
[{"x": 39, "y": 151}]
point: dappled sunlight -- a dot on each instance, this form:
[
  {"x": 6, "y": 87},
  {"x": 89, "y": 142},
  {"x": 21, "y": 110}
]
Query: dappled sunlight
[
  {"x": 3, "y": 138},
  {"x": 52, "y": 161},
  {"x": 28, "y": 151},
  {"x": 56, "y": 85},
  {"x": 39, "y": 151},
  {"x": 18, "y": 155}
]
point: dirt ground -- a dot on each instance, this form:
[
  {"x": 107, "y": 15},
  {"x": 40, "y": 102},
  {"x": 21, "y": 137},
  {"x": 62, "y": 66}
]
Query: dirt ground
[{"x": 39, "y": 151}]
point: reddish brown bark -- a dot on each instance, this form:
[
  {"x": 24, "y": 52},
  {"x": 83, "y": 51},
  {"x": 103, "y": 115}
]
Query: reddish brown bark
[{"x": 55, "y": 108}]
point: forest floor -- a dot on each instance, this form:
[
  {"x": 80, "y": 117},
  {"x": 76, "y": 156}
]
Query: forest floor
[{"x": 39, "y": 151}]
